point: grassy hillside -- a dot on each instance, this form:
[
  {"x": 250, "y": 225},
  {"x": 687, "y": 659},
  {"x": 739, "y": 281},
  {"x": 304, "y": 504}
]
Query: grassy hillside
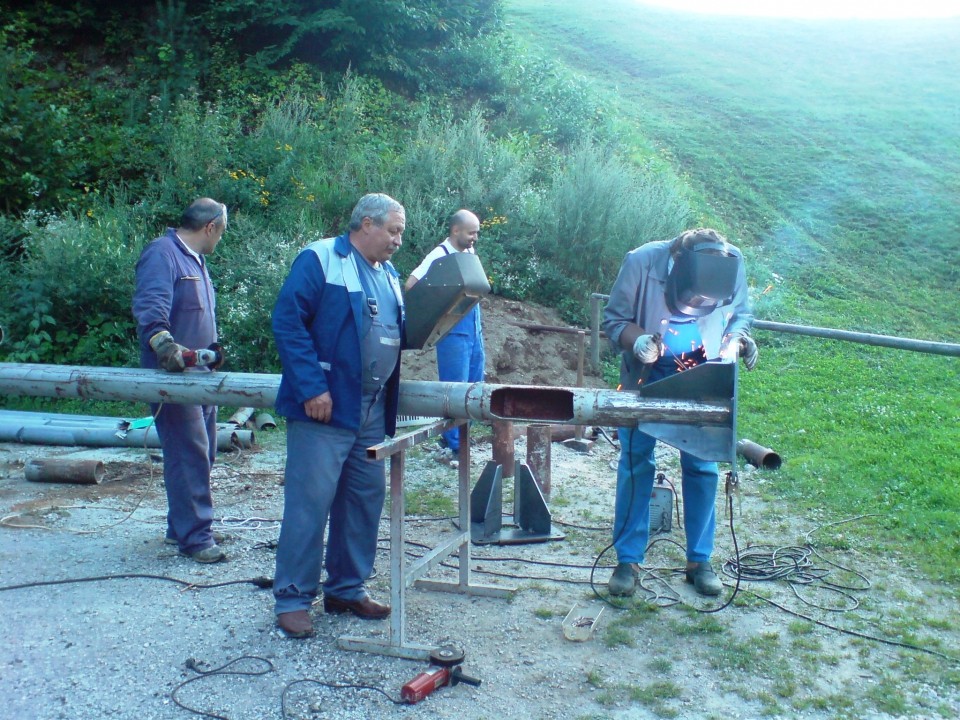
[
  {"x": 829, "y": 151},
  {"x": 829, "y": 148}
]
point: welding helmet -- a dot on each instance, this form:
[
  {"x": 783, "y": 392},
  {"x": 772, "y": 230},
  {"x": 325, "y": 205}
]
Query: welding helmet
[{"x": 704, "y": 275}]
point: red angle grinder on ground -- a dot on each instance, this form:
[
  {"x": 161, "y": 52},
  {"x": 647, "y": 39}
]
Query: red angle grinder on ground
[{"x": 444, "y": 670}]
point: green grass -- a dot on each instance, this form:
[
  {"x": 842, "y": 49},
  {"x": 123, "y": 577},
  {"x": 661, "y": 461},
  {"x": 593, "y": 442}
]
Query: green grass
[{"x": 828, "y": 151}]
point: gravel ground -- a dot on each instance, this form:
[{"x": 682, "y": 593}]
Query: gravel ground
[{"x": 121, "y": 648}]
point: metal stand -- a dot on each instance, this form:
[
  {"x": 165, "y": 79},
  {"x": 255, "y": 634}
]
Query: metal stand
[
  {"x": 530, "y": 512},
  {"x": 401, "y": 577}
]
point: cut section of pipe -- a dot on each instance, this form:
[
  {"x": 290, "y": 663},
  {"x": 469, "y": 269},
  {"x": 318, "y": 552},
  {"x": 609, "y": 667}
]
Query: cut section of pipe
[
  {"x": 64, "y": 470},
  {"x": 759, "y": 456}
]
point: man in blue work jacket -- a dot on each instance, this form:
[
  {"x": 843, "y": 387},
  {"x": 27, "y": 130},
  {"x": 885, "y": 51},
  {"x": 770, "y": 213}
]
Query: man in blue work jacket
[
  {"x": 460, "y": 356},
  {"x": 174, "y": 305},
  {"x": 338, "y": 324}
]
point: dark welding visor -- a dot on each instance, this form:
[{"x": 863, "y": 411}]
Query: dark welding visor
[{"x": 703, "y": 278}]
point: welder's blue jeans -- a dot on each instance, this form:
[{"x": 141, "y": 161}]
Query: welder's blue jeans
[
  {"x": 460, "y": 358},
  {"x": 188, "y": 436},
  {"x": 328, "y": 474},
  {"x": 635, "y": 475}
]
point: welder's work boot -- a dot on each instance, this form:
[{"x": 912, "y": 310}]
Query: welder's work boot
[
  {"x": 704, "y": 579},
  {"x": 624, "y": 579},
  {"x": 218, "y": 537},
  {"x": 212, "y": 554},
  {"x": 296, "y": 624}
]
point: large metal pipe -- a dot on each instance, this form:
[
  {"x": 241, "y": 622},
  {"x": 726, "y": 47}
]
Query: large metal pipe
[
  {"x": 139, "y": 385},
  {"x": 924, "y": 346},
  {"x": 98, "y": 436},
  {"x": 578, "y": 406},
  {"x": 462, "y": 401}
]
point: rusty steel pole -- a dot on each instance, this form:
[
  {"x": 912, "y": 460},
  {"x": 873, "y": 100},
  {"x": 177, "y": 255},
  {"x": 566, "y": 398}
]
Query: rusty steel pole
[
  {"x": 503, "y": 446},
  {"x": 581, "y": 342},
  {"x": 539, "y": 438}
]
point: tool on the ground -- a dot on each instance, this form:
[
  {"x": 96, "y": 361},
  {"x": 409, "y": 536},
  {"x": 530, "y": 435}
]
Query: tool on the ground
[{"x": 444, "y": 670}]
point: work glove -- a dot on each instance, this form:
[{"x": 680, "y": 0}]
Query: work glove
[
  {"x": 646, "y": 349},
  {"x": 748, "y": 351},
  {"x": 169, "y": 353}
]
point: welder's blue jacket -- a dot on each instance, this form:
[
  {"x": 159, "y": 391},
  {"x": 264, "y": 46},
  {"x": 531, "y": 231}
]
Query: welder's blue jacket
[
  {"x": 639, "y": 295},
  {"x": 173, "y": 292},
  {"x": 318, "y": 326}
]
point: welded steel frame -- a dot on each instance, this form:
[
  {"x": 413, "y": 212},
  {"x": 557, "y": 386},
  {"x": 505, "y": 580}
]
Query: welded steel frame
[{"x": 403, "y": 577}]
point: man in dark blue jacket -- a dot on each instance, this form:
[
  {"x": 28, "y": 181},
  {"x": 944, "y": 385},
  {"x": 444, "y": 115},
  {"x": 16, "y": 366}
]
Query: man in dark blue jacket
[
  {"x": 174, "y": 305},
  {"x": 338, "y": 324}
]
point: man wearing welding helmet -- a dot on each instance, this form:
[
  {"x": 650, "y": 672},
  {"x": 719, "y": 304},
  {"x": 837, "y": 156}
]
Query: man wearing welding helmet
[{"x": 675, "y": 304}]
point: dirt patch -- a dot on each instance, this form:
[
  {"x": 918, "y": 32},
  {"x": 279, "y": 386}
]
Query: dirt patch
[
  {"x": 515, "y": 353},
  {"x": 121, "y": 647}
]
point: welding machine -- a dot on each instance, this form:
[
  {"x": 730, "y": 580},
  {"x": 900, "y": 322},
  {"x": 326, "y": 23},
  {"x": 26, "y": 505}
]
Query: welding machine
[{"x": 661, "y": 506}]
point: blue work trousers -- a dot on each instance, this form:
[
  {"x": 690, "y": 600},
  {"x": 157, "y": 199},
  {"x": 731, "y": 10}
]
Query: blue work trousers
[
  {"x": 635, "y": 475},
  {"x": 460, "y": 358},
  {"x": 188, "y": 436},
  {"x": 328, "y": 475}
]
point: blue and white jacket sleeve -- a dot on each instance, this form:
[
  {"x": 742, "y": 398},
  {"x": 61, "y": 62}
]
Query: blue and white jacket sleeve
[{"x": 293, "y": 315}]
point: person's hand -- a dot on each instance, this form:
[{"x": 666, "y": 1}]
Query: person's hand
[
  {"x": 646, "y": 349},
  {"x": 169, "y": 353},
  {"x": 319, "y": 407},
  {"x": 742, "y": 345},
  {"x": 749, "y": 352}
]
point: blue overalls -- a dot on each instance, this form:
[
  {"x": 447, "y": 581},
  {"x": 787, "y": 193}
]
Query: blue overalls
[
  {"x": 460, "y": 358},
  {"x": 683, "y": 348},
  {"x": 328, "y": 474},
  {"x": 174, "y": 293}
]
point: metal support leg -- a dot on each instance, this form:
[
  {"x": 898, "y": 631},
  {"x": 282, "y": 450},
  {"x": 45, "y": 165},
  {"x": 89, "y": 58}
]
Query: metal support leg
[{"x": 400, "y": 576}]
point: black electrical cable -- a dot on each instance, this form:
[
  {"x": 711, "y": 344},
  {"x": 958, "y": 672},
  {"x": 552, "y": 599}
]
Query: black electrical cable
[
  {"x": 854, "y": 633},
  {"x": 608, "y": 438},
  {"x": 192, "y": 664},
  {"x": 335, "y": 686},
  {"x": 260, "y": 582}
]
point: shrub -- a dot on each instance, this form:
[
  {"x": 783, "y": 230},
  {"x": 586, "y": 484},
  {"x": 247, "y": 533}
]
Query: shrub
[
  {"x": 595, "y": 210},
  {"x": 67, "y": 298}
]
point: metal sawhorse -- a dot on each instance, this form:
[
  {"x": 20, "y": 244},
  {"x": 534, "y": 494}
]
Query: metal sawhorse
[{"x": 402, "y": 577}]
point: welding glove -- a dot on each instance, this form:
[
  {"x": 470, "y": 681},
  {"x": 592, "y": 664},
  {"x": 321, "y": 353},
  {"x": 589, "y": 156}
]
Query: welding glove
[
  {"x": 646, "y": 349},
  {"x": 748, "y": 351},
  {"x": 169, "y": 353}
]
